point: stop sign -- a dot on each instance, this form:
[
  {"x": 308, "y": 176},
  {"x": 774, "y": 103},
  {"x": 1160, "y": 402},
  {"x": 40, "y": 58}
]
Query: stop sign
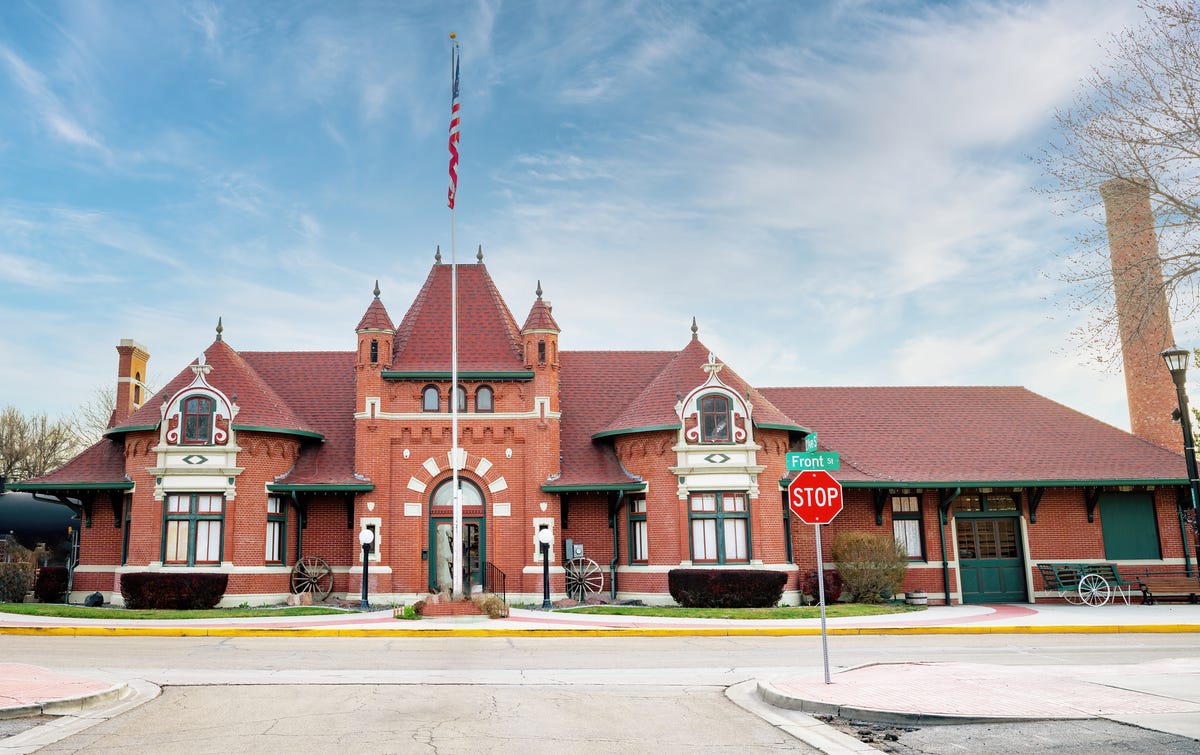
[{"x": 815, "y": 497}]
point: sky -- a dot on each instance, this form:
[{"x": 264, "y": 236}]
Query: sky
[{"x": 841, "y": 193}]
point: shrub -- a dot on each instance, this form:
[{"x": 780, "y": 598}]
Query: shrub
[
  {"x": 726, "y": 588},
  {"x": 872, "y": 566},
  {"x": 50, "y": 586},
  {"x": 172, "y": 590},
  {"x": 492, "y": 605},
  {"x": 833, "y": 586},
  {"x": 16, "y": 579},
  {"x": 419, "y": 608}
]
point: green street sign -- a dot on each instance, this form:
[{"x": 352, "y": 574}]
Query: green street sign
[
  {"x": 810, "y": 442},
  {"x": 798, "y": 462}
]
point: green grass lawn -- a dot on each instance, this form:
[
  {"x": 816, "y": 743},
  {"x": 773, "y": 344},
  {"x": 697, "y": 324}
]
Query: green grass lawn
[
  {"x": 837, "y": 610},
  {"x": 83, "y": 612}
]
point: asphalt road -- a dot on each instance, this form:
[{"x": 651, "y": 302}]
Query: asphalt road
[{"x": 553, "y": 695}]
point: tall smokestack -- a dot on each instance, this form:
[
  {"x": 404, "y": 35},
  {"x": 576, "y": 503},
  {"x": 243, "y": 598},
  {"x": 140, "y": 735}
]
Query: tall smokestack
[
  {"x": 131, "y": 377},
  {"x": 1142, "y": 316}
]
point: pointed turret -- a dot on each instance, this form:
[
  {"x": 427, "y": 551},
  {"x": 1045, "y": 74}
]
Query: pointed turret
[
  {"x": 539, "y": 334},
  {"x": 376, "y": 334}
]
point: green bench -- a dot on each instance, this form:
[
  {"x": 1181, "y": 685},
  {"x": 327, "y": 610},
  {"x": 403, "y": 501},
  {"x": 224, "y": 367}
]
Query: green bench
[{"x": 1090, "y": 584}]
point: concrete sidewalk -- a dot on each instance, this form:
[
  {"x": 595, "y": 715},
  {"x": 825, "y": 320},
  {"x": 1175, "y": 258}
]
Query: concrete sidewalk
[{"x": 1164, "y": 696}]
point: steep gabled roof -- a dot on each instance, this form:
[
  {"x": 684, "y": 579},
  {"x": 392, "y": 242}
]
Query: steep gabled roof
[
  {"x": 260, "y": 405},
  {"x": 540, "y": 317},
  {"x": 488, "y": 339},
  {"x": 101, "y": 466},
  {"x": 594, "y": 387},
  {"x": 981, "y": 434},
  {"x": 319, "y": 386},
  {"x": 376, "y": 317},
  {"x": 654, "y": 407}
]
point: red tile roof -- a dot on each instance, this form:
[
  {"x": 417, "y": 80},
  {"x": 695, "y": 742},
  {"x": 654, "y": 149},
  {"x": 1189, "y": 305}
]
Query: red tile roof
[
  {"x": 540, "y": 317},
  {"x": 100, "y": 464},
  {"x": 654, "y": 406},
  {"x": 594, "y": 387},
  {"x": 950, "y": 434},
  {"x": 319, "y": 387},
  {"x": 376, "y": 317},
  {"x": 488, "y": 339}
]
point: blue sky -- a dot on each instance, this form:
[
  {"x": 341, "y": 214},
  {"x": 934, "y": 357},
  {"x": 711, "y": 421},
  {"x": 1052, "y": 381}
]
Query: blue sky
[{"x": 840, "y": 193}]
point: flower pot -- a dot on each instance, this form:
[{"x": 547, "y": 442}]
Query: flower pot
[{"x": 917, "y": 599}]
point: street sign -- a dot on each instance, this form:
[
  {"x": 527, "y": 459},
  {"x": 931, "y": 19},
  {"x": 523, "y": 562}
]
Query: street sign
[
  {"x": 815, "y": 497},
  {"x": 810, "y": 442},
  {"x": 798, "y": 462}
]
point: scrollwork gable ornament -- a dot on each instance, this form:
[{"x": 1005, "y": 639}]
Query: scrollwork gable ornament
[
  {"x": 688, "y": 407},
  {"x": 224, "y": 410}
]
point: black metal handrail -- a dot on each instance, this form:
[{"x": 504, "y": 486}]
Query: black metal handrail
[{"x": 493, "y": 581}]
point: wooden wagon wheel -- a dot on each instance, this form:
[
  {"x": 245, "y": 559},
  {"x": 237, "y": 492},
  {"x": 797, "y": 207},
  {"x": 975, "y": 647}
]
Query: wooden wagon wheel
[
  {"x": 312, "y": 575},
  {"x": 1094, "y": 590},
  {"x": 584, "y": 578}
]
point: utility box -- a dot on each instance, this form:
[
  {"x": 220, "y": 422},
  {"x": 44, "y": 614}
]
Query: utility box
[{"x": 571, "y": 549}]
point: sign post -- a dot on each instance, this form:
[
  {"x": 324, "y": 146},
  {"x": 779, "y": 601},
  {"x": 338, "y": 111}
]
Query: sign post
[{"x": 816, "y": 498}]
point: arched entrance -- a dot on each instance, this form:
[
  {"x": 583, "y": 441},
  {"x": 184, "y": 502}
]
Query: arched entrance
[{"x": 441, "y": 537}]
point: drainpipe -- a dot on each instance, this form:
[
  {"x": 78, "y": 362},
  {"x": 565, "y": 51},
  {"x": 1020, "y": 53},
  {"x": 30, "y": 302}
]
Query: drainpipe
[
  {"x": 943, "y": 509},
  {"x": 299, "y": 528},
  {"x": 612, "y": 566}
]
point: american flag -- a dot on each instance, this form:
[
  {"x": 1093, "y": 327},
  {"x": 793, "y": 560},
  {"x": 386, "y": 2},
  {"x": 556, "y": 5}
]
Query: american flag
[{"x": 454, "y": 122}]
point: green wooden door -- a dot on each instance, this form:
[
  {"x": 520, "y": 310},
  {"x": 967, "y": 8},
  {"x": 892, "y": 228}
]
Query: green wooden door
[{"x": 989, "y": 560}]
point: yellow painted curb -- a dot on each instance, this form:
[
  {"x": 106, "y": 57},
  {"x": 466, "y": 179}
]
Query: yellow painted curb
[{"x": 226, "y": 631}]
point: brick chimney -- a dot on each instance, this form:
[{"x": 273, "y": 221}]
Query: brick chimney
[
  {"x": 131, "y": 376},
  {"x": 1142, "y": 315}
]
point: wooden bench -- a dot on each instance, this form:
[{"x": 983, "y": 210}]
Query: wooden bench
[
  {"x": 1085, "y": 583},
  {"x": 1156, "y": 587}
]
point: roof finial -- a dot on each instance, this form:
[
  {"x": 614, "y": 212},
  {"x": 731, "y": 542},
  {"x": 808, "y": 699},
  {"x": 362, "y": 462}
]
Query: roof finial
[
  {"x": 437, "y": 256},
  {"x": 479, "y": 255},
  {"x": 220, "y": 328},
  {"x": 695, "y": 329},
  {"x": 539, "y": 290},
  {"x": 376, "y": 288}
]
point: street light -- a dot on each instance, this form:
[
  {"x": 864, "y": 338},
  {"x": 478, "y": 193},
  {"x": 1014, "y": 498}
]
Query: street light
[
  {"x": 544, "y": 537},
  {"x": 1177, "y": 362},
  {"x": 365, "y": 536}
]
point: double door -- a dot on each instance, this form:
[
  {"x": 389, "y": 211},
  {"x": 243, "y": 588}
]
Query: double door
[{"x": 441, "y": 554}]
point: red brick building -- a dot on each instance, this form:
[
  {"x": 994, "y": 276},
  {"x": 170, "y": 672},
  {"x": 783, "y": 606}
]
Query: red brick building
[{"x": 249, "y": 462}]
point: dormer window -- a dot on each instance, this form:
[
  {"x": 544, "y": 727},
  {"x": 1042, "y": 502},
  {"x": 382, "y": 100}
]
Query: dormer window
[
  {"x": 198, "y": 419},
  {"x": 714, "y": 419},
  {"x": 431, "y": 400}
]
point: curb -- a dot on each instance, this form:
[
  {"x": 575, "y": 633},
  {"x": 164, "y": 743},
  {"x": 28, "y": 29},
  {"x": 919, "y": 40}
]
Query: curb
[
  {"x": 771, "y": 694},
  {"x": 227, "y": 631},
  {"x": 66, "y": 706}
]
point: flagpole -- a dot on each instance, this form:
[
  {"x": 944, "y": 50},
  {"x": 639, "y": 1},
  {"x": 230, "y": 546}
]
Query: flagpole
[{"x": 458, "y": 513}]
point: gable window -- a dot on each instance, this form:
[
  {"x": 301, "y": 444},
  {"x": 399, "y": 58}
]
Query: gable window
[
  {"x": 276, "y": 530},
  {"x": 484, "y": 399},
  {"x": 639, "y": 547},
  {"x": 197, "y": 419},
  {"x": 431, "y": 400},
  {"x": 906, "y": 525},
  {"x": 714, "y": 419},
  {"x": 720, "y": 527},
  {"x": 193, "y": 527}
]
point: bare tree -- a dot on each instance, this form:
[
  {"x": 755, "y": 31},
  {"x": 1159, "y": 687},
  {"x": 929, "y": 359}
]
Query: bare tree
[
  {"x": 31, "y": 446},
  {"x": 91, "y": 418},
  {"x": 1137, "y": 119}
]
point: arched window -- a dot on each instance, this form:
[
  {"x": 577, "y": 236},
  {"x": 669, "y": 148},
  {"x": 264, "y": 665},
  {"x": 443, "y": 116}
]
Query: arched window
[
  {"x": 541, "y": 352},
  {"x": 461, "y": 394},
  {"x": 197, "y": 419},
  {"x": 443, "y": 495},
  {"x": 137, "y": 389},
  {"x": 714, "y": 419},
  {"x": 374, "y": 351},
  {"x": 483, "y": 399},
  {"x": 431, "y": 400}
]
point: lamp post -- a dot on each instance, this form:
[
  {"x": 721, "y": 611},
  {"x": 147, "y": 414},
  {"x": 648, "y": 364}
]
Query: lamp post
[
  {"x": 544, "y": 537},
  {"x": 366, "y": 537},
  {"x": 1177, "y": 362}
]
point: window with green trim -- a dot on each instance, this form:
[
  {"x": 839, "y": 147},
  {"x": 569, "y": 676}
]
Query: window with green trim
[
  {"x": 906, "y": 525},
  {"x": 639, "y": 547},
  {"x": 484, "y": 399},
  {"x": 198, "y": 419},
  {"x": 714, "y": 419},
  {"x": 194, "y": 525},
  {"x": 720, "y": 527},
  {"x": 431, "y": 399},
  {"x": 276, "y": 552}
]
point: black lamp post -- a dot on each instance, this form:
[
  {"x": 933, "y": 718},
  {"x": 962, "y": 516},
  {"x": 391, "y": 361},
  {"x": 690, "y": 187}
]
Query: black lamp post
[
  {"x": 366, "y": 537},
  {"x": 544, "y": 536},
  {"x": 1177, "y": 362}
]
